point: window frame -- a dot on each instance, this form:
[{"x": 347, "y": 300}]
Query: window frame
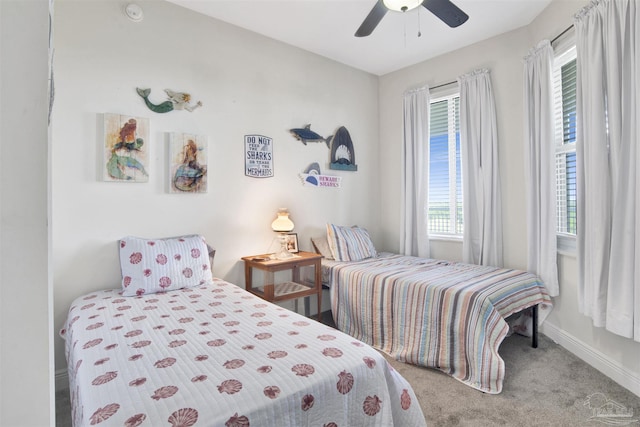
[
  {"x": 441, "y": 94},
  {"x": 564, "y": 52}
]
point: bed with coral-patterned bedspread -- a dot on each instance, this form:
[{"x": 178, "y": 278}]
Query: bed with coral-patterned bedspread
[
  {"x": 439, "y": 314},
  {"x": 215, "y": 355}
]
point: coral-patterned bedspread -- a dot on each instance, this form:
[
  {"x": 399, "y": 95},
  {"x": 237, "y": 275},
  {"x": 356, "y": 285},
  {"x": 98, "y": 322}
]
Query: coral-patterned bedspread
[
  {"x": 215, "y": 355},
  {"x": 444, "y": 315}
]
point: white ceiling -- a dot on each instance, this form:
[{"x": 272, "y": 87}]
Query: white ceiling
[{"x": 326, "y": 27}]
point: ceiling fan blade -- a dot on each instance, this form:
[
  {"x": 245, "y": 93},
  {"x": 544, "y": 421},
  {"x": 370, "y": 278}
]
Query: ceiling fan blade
[
  {"x": 372, "y": 20},
  {"x": 448, "y": 12}
]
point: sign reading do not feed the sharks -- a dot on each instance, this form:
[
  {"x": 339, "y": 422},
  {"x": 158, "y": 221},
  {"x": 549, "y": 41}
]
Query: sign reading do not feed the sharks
[{"x": 258, "y": 156}]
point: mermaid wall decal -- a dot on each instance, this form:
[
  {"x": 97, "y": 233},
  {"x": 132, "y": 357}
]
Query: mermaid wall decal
[
  {"x": 125, "y": 151},
  {"x": 175, "y": 101},
  {"x": 188, "y": 155}
]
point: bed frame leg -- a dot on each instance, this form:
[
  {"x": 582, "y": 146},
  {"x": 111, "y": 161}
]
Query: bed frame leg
[{"x": 534, "y": 329}]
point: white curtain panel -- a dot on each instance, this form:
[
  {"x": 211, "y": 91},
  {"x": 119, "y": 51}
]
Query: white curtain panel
[
  {"x": 414, "y": 235},
  {"x": 608, "y": 178},
  {"x": 539, "y": 166},
  {"x": 482, "y": 208}
]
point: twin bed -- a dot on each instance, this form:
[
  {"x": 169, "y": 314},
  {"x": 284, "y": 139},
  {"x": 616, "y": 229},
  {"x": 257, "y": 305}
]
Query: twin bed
[
  {"x": 176, "y": 347},
  {"x": 157, "y": 353},
  {"x": 439, "y": 314}
]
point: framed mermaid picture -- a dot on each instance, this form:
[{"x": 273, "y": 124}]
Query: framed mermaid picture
[
  {"x": 126, "y": 148},
  {"x": 187, "y": 163}
]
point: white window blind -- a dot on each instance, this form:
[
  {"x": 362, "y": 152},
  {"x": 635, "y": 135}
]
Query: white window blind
[
  {"x": 564, "y": 88},
  {"x": 445, "y": 180}
]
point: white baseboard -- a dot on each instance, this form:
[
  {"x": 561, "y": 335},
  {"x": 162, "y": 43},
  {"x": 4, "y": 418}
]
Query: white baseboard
[
  {"x": 62, "y": 380},
  {"x": 618, "y": 373}
]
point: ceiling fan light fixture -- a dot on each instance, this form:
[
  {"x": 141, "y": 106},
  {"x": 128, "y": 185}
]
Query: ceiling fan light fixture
[{"x": 401, "y": 5}]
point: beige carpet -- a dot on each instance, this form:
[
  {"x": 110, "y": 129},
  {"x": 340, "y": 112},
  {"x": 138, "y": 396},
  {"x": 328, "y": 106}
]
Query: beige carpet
[{"x": 547, "y": 386}]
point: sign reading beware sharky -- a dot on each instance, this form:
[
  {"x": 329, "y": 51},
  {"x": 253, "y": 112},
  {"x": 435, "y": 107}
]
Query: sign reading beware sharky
[
  {"x": 313, "y": 178},
  {"x": 258, "y": 156}
]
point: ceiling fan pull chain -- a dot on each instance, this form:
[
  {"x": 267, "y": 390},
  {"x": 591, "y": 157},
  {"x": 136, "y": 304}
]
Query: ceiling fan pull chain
[
  {"x": 405, "y": 30},
  {"x": 419, "y": 32}
]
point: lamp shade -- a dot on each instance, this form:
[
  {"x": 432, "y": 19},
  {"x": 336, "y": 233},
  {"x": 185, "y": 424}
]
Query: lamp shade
[
  {"x": 402, "y": 5},
  {"x": 282, "y": 223}
]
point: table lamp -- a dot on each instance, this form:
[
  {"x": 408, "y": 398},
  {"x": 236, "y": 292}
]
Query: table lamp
[{"x": 282, "y": 224}]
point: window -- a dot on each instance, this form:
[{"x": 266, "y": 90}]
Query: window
[
  {"x": 564, "y": 88},
  {"x": 445, "y": 180}
]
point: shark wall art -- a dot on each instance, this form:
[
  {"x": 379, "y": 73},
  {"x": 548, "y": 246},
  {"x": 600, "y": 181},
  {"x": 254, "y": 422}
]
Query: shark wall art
[
  {"x": 343, "y": 156},
  {"x": 306, "y": 135},
  {"x": 312, "y": 177}
]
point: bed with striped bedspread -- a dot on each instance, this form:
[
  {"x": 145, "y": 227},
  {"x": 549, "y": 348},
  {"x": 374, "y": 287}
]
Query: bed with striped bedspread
[{"x": 439, "y": 314}]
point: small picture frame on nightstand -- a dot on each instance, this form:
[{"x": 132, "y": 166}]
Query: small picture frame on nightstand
[{"x": 292, "y": 242}]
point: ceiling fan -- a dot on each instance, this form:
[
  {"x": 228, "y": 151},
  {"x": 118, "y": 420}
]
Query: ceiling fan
[{"x": 448, "y": 12}]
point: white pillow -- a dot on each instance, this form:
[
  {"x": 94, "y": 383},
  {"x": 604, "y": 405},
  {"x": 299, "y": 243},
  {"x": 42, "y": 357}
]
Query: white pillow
[
  {"x": 350, "y": 243},
  {"x": 159, "y": 265},
  {"x": 321, "y": 245}
]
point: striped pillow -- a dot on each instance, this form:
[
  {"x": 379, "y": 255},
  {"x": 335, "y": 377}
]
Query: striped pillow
[{"x": 350, "y": 243}]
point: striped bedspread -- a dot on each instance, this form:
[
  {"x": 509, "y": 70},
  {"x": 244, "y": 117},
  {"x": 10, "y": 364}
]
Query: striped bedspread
[{"x": 439, "y": 314}]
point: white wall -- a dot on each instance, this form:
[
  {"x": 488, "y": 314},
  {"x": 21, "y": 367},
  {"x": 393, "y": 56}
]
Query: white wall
[
  {"x": 26, "y": 370},
  {"x": 615, "y": 356},
  {"x": 502, "y": 55},
  {"x": 248, "y": 84}
]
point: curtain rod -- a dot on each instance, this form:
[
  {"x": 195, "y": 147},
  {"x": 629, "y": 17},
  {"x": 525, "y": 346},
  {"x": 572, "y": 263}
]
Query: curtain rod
[
  {"x": 561, "y": 34},
  {"x": 552, "y": 41},
  {"x": 443, "y": 84}
]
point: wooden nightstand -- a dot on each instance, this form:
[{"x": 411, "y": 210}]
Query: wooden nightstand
[{"x": 297, "y": 287}]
